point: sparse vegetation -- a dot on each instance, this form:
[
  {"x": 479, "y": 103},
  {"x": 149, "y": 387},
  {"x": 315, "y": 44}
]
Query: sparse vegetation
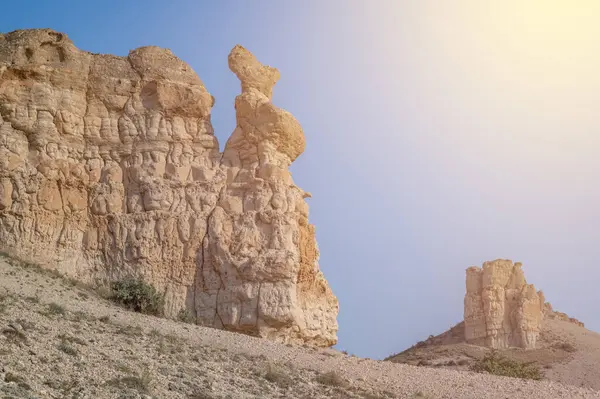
[
  {"x": 27, "y": 325},
  {"x": 68, "y": 349},
  {"x": 72, "y": 339},
  {"x": 14, "y": 335},
  {"x": 3, "y": 303},
  {"x": 132, "y": 331},
  {"x": 140, "y": 383},
  {"x": 33, "y": 299},
  {"x": 19, "y": 380},
  {"x": 277, "y": 376},
  {"x": 494, "y": 363},
  {"x": 79, "y": 316},
  {"x": 138, "y": 296},
  {"x": 186, "y": 316},
  {"x": 55, "y": 309},
  {"x": 566, "y": 346},
  {"x": 332, "y": 379}
]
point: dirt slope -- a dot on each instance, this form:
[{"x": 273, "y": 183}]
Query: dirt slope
[
  {"x": 567, "y": 353},
  {"x": 60, "y": 341}
]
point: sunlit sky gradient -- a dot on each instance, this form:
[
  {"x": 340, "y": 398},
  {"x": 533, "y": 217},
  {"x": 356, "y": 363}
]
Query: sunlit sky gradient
[{"x": 440, "y": 134}]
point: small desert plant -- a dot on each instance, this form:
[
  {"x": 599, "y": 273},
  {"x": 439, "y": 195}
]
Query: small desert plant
[
  {"x": 66, "y": 348},
  {"x": 20, "y": 381},
  {"x": 3, "y": 304},
  {"x": 278, "y": 376},
  {"x": 133, "y": 331},
  {"x": 421, "y": 395},
  {"x": 137, "y": 296},
  {"x": 494, "y": 363},
  {"x": 332, "y": 379},
  {"x": 566, "y": 346},
  {"x": 79, "y": 316},
  {"x": 33, "y": 299},
  {"x": 154, "y": 333},
  {"x": 26, "y": 324},
  {"x": 72, "y": 339},
  {"x": 122, "y": 367},
  {"x": 55, "y": 308},
  {"x": 186, "y": 316},
  {"x": 139, "y": 383},
  {"x": 14, "y": 335}
]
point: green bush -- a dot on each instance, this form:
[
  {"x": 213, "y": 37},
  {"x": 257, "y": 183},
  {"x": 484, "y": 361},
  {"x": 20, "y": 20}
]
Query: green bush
[
  {"x": 137, "y": 296},
  {"x": 494, "y": 363}
]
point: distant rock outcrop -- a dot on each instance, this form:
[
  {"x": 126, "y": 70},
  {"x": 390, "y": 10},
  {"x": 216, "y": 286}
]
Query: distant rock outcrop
[
  {"x": 550, "y": 313},
  {"x": 501, "y": 309},
  {"x": 109, "y": 168}
]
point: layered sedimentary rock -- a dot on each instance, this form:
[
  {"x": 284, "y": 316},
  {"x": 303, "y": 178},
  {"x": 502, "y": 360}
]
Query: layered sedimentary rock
[
  {"x": 501, "y": 309},
  {"x": 109, "y": 168}
]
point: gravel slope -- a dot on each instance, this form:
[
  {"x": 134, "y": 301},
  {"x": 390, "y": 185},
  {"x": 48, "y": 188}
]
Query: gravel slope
[
  {"x": 59, "y": 341},
  {"x": 567, "y": 353},
  {"x": 583, "y": 368}
]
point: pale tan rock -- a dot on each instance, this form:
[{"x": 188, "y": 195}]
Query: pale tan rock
[
  {"x": 501, "y": 309},
  {"x": 550, "y": 313},
  {"x": 109, "y": 167}
]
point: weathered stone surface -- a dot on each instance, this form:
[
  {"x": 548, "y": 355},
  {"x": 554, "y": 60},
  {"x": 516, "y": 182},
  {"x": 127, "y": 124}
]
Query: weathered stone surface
[
  {"x": 109, "y": 168},
  {"x": 550, "y": 313},
  {"x": 501, "y": 309}
]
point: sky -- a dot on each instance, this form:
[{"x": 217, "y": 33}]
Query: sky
[{"x": 440, "y": 134}]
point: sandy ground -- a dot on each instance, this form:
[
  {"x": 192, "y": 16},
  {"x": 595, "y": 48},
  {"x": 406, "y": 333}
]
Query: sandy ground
[
  {"x": 59, "y": 341},
  {"x": 583, "y": 367}
]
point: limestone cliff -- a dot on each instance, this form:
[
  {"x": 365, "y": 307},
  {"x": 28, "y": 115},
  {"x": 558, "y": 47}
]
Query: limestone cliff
[
  {"x": 109, "y": 168},
  {"x": 501, "y": 309}
]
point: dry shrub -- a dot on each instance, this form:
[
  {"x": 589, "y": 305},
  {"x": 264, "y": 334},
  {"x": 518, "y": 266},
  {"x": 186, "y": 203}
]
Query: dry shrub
[{"x": 496, "y": 364}]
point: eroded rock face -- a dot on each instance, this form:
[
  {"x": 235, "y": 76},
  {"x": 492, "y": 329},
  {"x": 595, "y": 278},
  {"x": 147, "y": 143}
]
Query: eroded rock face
[
  {"x": 550, "y": 313},
  {"x": 501, "y": 309},
  {"x": 109, "y": 168}
]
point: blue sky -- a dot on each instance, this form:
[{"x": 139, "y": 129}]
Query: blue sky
[{"x": 439, "y": 135}]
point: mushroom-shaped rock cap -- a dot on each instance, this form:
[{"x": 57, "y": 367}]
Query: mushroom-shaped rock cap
[{"x": 251, "y": 72}]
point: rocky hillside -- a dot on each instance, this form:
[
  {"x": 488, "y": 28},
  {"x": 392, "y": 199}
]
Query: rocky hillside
[
  {"x": 508, "y": 318},
  {"x": 565, "y": 352},
  {"x": 60, "y": 340}
]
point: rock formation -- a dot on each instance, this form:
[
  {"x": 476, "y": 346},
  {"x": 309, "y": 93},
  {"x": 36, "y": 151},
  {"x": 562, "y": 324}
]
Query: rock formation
[
  {"x": 501, "y": 309},
  {"x": 550, "y": 313},
  {"x": 109, "y": 168}
]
